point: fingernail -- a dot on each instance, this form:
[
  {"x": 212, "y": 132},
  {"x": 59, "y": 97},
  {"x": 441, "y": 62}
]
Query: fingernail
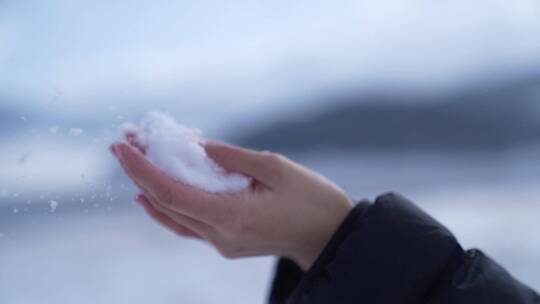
[
  {"x": 141, "y": 201},
  {"x": 118, "y": 151}
]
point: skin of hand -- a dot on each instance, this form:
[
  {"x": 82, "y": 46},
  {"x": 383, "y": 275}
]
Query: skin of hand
[{"x": 288, "y": 210}]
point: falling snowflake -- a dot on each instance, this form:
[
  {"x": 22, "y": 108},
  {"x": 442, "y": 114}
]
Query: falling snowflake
[
  {"x": 53, "y": 205},
  {"x": 75, "y": 131}
]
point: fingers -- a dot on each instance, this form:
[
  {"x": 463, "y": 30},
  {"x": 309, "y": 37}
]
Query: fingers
[
  {"x": 164, "y": 220},
  {"x": 183, "y": 198},
  {"x": 141, "y": 170},
  {"x": 194, "y": 225},
  {"x": 131, "y": 138},
  {"x": 265, "y": 167}
]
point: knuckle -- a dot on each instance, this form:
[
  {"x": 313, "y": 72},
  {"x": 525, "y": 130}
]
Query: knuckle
[
  {"x": 229, "y": 251},
  {"x": 275, "y": 164},
  {"x": 273, "y": 157},
  {"x": 181, "y": 232},
  {"x": 226, "y": 253}
]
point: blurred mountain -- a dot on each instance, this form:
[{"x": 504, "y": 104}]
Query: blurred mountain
[{"x": 503, "y": 116}]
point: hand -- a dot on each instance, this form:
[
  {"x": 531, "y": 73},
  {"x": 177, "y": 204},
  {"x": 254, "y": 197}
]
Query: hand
[{"x": 288, "y": 210}]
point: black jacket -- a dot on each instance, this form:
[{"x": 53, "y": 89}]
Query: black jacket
[{"x": 392, "y": 252}]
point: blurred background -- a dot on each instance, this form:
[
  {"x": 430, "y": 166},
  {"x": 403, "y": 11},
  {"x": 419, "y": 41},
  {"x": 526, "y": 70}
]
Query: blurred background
[{"x": 439, "y": 101}]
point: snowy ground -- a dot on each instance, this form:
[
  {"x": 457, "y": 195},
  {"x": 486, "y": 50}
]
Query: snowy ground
[
  {"x": 124, "y": 258},
  {"x": 117, "y": 255}
]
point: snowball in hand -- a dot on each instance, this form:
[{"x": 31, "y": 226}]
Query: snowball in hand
[{"x": 175, "y": 149}]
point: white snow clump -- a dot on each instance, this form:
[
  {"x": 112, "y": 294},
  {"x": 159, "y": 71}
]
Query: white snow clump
[{"x": 177, "y": 151}]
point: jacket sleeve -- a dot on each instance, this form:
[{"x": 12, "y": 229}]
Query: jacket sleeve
[{"x": 393, "y": 252}]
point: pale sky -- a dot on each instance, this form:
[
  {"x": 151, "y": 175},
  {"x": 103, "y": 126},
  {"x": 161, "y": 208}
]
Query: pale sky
[{"x": 246, "y": 55}]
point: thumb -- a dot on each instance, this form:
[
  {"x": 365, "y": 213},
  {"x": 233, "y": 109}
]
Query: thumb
[{"x": 265, "y": 167}]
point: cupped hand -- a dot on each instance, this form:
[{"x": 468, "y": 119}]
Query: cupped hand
[{"x": 287, "y": 211}]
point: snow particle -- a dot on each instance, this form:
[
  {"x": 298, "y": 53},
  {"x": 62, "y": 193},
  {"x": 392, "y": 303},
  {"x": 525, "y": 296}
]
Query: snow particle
[
  {"x": 53, "y": 129},
  {"x": 53, "y": 204},
  {"x": 75, "y": 132}
]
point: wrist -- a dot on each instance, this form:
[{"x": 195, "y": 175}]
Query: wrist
[{"x": 315, "y": 240}]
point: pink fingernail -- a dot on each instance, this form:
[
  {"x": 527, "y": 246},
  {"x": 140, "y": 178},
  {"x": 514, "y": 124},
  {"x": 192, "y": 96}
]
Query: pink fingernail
[{"x": 118, "y": 151}]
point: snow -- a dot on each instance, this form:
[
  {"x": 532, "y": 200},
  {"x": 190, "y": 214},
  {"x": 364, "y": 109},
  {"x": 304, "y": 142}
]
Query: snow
[
  {"x": 75, "y": 132},
  {"x": 53, "y": 204},
  {"x": 177, "y": 151},
  {"x": 125, "y": 257}
]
